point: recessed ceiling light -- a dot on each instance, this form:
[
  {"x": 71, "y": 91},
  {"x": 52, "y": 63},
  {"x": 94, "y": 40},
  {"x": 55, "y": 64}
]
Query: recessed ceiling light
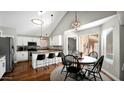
[
  {"x": 40, "y": 13},
  {"x": 37, "y": 21}
]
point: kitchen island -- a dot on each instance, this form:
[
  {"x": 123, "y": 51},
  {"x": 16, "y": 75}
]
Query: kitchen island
[{"x": 37, "y": 64}]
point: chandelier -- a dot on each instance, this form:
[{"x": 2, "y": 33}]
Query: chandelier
[{"x": 75, "y": 23}]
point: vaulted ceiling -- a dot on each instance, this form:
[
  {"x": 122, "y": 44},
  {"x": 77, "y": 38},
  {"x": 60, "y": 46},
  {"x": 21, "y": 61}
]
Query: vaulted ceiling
[{"x": 21, "y": 21}]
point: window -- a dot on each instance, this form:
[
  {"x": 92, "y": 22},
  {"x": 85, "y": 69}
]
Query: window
[
  {"x": 89, "y": 43},
  {"x": 107, "y": 44}
]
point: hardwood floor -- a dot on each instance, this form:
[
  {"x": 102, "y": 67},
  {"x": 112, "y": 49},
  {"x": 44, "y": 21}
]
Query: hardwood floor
[{"x": 23, "y": 71}]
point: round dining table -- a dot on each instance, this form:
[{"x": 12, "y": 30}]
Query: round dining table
[{"x": 87, "y": 60}]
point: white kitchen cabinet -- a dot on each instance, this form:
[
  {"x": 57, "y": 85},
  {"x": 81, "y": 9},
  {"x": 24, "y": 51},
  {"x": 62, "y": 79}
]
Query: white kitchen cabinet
[
  {"x": 51, "y": 41},
  {"x": 2, "y": 66},
  {"x": 19, "y": 41},
  {"x": 21, "y": 56},
  {"x": 56, "y": 40},
  {"x": 23, "y": 40},
  {"x": 38, "y": 42}
]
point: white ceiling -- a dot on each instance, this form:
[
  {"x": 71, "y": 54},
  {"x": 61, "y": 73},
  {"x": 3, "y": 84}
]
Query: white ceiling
[
  {"x": 21, "y": 21},
  {"x": 121, "y": 17}
]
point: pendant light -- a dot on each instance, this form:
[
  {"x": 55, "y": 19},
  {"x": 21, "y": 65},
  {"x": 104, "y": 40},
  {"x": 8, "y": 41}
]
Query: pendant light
[
  {"x": 76, "y": 23},
  {"x": 38, "y": 21},
  {"x": 41, "y": 32}
]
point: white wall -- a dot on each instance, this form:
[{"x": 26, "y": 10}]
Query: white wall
[
  {"x": 122, "y": 52},
  {"x": 68, "y": 34},
  {"x": 7, "y": 31},
  {"x": 83, "y": 16},
  {"x": 114, "y": 68},
  {"x": 95, "y": 30}
]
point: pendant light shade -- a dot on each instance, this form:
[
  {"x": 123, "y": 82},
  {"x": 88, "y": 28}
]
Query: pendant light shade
[{"x": 76, "y": 23}]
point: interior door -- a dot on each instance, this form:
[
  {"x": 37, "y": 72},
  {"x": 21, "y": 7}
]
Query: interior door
[{"x": 71, "y": 45}]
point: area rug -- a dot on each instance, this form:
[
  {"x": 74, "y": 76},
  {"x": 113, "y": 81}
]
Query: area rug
[{"x": 57, "y": 76}]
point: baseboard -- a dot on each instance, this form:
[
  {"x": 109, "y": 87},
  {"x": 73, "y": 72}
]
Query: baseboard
[{"x": 110, "y": 75}]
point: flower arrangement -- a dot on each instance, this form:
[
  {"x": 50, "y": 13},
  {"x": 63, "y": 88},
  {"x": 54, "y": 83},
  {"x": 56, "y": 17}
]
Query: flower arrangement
[{"x": 81, "y": 54}]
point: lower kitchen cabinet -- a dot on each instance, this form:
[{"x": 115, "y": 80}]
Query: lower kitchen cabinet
[
  {"x": 2, "y": 66},
  {"x": 21, "y": 56}
]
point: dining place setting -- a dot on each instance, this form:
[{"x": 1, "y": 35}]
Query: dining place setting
[{"x": 80, "y": 67}]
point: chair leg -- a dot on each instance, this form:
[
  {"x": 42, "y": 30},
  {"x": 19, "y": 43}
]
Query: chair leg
[
  {"x": 100, "y": 76},
  {"x": 94, "y": 76},
  {"x": 62, "y": 69},
  {"x": 66, "y": 76},
  {"x": 88, "y": 73},
  {"x": 84, "y": 76}
]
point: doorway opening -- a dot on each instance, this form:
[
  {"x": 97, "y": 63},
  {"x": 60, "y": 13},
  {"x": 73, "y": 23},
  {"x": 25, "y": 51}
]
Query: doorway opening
[
  {"x": 89, "y": 43},
  {"x": 72, "y": 42}
]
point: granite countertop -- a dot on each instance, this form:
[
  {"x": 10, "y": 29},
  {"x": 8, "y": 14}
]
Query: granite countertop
[{"x": 45, "y": 51}]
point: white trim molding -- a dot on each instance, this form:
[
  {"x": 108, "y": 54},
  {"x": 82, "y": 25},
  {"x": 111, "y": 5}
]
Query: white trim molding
[{"x": 112, "y": 76}]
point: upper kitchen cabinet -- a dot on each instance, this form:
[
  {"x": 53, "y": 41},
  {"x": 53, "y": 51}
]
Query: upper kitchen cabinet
[
  {"x": 56, "y": 40},
  {"x": 23, "y": 41},
  {"x": 19, "y": 41}
]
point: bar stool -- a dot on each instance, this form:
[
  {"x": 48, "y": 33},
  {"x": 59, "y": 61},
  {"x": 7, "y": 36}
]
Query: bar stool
[
  {"x": 51, "y": 56},
  {"x": 58, "y": 57},
  {"x": 40, "y": 59}
]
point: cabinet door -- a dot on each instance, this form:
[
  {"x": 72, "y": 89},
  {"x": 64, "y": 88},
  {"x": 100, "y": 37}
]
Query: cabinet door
[
  {"x": 18, "y": 56},
  {"x": 51, "y": 41},
  {"x": 2, "y": 66},
  {"x": 25, "y": 41},
  {"x": 25, "y": 55},
  {"x": 54, "y": 40},
  {"x": 19, "y": 41},
  {"x": 1, "y": 69},
  {"x": 38, "y": 41},
  {"x": 22, "y": 56}
]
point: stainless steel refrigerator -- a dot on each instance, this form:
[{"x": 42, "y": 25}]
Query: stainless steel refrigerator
[{"x": 7, "y": 49}]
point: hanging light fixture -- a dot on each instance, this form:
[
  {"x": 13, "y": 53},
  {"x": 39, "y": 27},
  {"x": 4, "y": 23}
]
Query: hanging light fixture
[
  {"x": 76, "y": 23},
  {"x": 38, "y": 21},
  {"x": 41, "y": 32}
]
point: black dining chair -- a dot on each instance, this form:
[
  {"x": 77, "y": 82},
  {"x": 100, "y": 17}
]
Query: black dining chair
[
  {"x": 95, "y": 71},
  {"x": 93, "y": 54},
  {"x": 63, "y": 62},
  {"x": 74, "y": 69}
]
